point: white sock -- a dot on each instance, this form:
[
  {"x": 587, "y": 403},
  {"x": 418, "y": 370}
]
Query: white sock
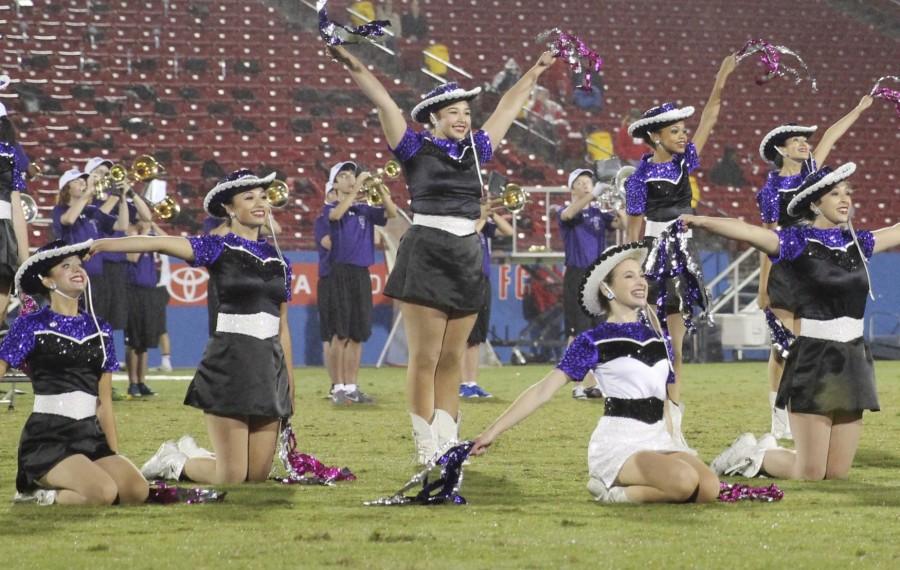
[
  {"x": 772, "y": 397},
  {"x": 166, "y": 360},
  {"x": 339, "y": 388},
  {"x": 470, "y": 384},
  {"x": 349, "y": 388}
]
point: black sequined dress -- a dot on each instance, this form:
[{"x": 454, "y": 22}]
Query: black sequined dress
[
  {"x": 829, "y": 369},
  {"x": 243, "y": 371},
  {"x": 64, "y": 358}
]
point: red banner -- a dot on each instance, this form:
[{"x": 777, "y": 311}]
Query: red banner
[{"x": 188, "y": 284}]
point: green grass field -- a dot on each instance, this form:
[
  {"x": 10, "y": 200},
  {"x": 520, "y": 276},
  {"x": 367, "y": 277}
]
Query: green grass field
[{"x": 528, "y": 507}]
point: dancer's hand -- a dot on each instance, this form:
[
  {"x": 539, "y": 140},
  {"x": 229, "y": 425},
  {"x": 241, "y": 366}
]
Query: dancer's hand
[
  {"x": 728, "y": 65},
  {"x": 344, "y": 57},
  {"x": 763, "y": 300},
  {"x": 98, "y": 246},
  {"x": 546, "y": 60},
  {"x": 691, "y": 220},
  {"x": 865, "y": 102},
  {"x": 482, "y": 443}
]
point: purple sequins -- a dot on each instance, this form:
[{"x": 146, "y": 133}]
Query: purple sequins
[
  {"x": 18, "y": 177},
  {"x": 208, "y": 248},
  {"x": 793, "y": 240},
  {"x": 20, "y": 340},
  {"x": 580, "y": 358},
  {"x": 734, "y": 492},
  {"x": 636, "y": 184},
  {"x": 412, "y": 142}
]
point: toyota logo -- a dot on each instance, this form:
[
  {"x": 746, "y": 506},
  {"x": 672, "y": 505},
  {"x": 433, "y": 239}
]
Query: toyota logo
[{"x": 188, "y": 284}]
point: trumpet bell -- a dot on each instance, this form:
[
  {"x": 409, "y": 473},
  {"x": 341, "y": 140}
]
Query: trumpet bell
[
  {"x": 118, "y": 173},
  {"x": 167, "y": 208},
  {"x": 29, "y": 207},
  {"x": 146, "y": 168},
  {"x": 513, "y": 197},
  {"x": 277, "y": 194},
  {"x": 392, "y": 169}
]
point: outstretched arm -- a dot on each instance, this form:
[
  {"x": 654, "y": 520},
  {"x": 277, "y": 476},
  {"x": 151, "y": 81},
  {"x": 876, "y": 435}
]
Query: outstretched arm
[
  {"x": 529, "y": 401},
  {"x": 511, "y": 103},
  {"x": 837, "y": 130},
  {"x": 169, "y": 245},
  {"x": 392, "y": 122},
  {"x": 886, "y": 238},
  {"x": 711, "y": 111},
  {"x": 762, "y": 239}
]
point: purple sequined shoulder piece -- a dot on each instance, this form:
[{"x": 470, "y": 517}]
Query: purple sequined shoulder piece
[
  {"x": 580, "y": 358},
  {"x": 636, "y": 184},
  {"x": 18, "y": 177},
  {"x": 635, "y": 331},
  {"x": 412, "y": 141},
  {"x": 793, "y": 240},
  {"x": 20, "y": 340},
  {"x": 207, "y": 249}
]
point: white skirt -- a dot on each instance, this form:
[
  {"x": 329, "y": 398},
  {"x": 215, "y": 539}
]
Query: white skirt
[{"x": 616, "y": 439}]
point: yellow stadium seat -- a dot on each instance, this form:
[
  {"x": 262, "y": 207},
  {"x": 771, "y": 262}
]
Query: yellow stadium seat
[
  {"x": 441, "y": 52},
  {"x": 365, "y": 9},
  {"x": 600, "y": 145}
]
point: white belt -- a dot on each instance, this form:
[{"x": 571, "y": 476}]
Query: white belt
[
  {"x": 5, "y": 210},
  {"x": 259, "y": 325},
  {"x": 842, "y": 329},
  {"x": 653, "y": 229},
  {"x": 75, "y": 405},
  {"x": 452, "y": 224}
]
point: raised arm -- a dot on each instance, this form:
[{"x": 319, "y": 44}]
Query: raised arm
[
  {"x": 762, "y": 239},
  {"x": 576, "y": 206},
  {"x": 886, "y": 238},
  {"x": 170, "y": 245},
  {"x": 526, "y": 404},
  {"x": 511, "y": 103},
  {"x": 123, "y": 217},
  {"x": 837, "y": 130},
  {"x": 711, "y": 111},
  {"x": 76, "y": 206},
  {"x": 504, "y": 228},
  {"x": 391, "y": 116}
]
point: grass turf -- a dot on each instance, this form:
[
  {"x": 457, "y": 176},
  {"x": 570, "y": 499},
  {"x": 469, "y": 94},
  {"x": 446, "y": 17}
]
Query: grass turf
[{"x": 528, "y": 507}]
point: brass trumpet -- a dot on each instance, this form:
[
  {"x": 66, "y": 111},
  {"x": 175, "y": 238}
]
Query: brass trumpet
[
  {"x": 167, "y": 208},
  {"x": 277, "y": 194},
  {"x": 143, "y": 169},
  {"x": 373, "y": 186},
  {"x": 512, "y": 197}
]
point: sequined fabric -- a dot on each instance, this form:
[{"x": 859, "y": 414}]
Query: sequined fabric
[
  {"x": 636, "y": 184},
  {"x": 50, "y": 330},
  {"x": 794, "y": 240},
  {"x": 775, "y": 195},
  {"x": 17, "y": 177},
  {"x": 605, "y": 342},
  {"x": 412, "y": 142},
  {"x": 208, "y": 248}
]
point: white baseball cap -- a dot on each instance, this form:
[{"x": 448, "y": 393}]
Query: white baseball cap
[
  {"x": 573, "y": 176},
  {"x": 70, "y": 175},
  {"x": 335, "y": 170},
  {"x": 93, "y": 163}
]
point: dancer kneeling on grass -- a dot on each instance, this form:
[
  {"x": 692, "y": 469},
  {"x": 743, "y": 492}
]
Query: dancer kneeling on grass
[
  {"x": 632, "y": 458},
  {"x": 68, "y": 449},
  {"x": 244, "y": 384},
  {"x": 828, "y": 377}
]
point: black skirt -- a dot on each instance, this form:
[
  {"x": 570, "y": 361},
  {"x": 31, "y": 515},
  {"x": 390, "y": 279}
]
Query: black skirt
[
  {"x": 143, "y": 328},
  {"x": 350, "y": 302},
  {"x": 438, "y": 269},
  {"x": 826, "y": 376},
  {"x": 323, "y": 302},
  {"x": 47, "y": 439},
  {"x": 576, "y": 320},
  {"x": 780, "y": 287},
  {"x": 9, "y": 255},
  {"x": 110, "y": 294},
  {"x": 483, "y": 321},
  {"x": 241, "y": 375}
]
